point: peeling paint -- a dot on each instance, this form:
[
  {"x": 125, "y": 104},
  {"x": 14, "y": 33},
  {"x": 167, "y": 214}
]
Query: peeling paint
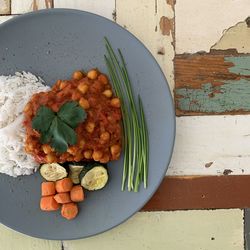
[
  {"x": 227, "y": 171},
  {"x": 49, "y": 4},
  {"x": 171, "y": 3},
  {"x": 34, "y": 5},
  {"x": 161, "y": 51},
  {"x": 166, "y": 25},
  {"x": 248, "y": 21},
  {"x": 209, "y": 164},
  {"x": 241, "y": 65}
]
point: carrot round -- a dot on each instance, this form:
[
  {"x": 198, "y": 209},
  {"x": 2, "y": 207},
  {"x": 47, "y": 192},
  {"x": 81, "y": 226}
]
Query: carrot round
[
  {"x": 77, "y": 194},
  {"x": 62, "y": 198},
  {"x": 64, "y": 185},
  {"x": 69, "y": 210},
  {"x": 48, "y": 188},
  {"x": 48, "y": 203}
]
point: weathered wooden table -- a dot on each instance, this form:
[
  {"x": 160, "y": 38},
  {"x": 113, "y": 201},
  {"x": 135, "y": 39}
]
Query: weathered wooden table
[{"x": 203, "y": 48}]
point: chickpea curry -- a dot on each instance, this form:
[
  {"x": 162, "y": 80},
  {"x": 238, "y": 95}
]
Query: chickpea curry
[{"x": 98, "y": 137}]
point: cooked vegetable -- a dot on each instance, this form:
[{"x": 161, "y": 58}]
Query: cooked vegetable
[
  {"x": 136, "y": 146},
  {"x": 53, "y": 171},
  {"x": 69, "y": 210},
  {"x": 48, "y": 203},
  {"x": 57, "y": 128},
  {"x": 64, "y": 185},
  {"x": 77, "y": 194},
  {"x": 94, "y": 177},
  {"x": 62, "y": 198},
  {"x": 48, "y": 188},
  {"x": 74, "y": 172}
]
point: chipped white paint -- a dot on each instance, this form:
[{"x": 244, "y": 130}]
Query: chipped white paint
[
  {"x": 200, "y": 24},
  {"x": 142, "y": 17},
  {"x": 189, "y": 230},
  {"x": 104, "y": 8},
  {"x": 11, "y": 240},
  {"x": 4, "y": 7},
  {"x": 237, "y": 37},
  {"x": 223, "y": 140},
  {"x": 23, "y": 6}
]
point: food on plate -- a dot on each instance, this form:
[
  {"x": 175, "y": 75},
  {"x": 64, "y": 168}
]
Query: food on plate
[
  {"x": 62, "y": 198},
  {"x": 48, "y": 203},
  {"x": 76, "y": 193},
  {"x": 74, "y": 172},
  {"x": 64, "y": 185},
  {"x": 94, "y": 177},
  {"x": 76, "y": 120},
  {"x": 53, "y": 171},
  {"x": 69, "y": 211},
  {"x": 15, "y": 92},
  {"x": 136, "y": 142},
  {"x": 48, "y": 188}
]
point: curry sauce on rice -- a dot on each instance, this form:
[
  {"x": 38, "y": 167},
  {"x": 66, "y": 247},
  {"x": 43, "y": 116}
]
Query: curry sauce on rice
[{"x": 98, "y": 137}]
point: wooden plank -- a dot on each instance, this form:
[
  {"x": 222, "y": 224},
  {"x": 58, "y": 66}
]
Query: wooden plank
[
  {"x": 104, "y": 8},
  {"x": 201, "y": 192},
  {"x": 222, "y": 140},
  {"x": 4, "y": 7},
  {"x": 153, "y": 23},
  {"x": 20, "y": 7},
  {"x": 11, "y": 240},
  {"x": 189, "y": 230},
  {"x": 212, "y": 83},
  {"x": 201, "y": 24}
]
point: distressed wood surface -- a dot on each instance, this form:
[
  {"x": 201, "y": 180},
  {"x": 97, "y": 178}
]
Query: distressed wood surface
[
  {"x": 23, "y": 6},
  {"x": 189, "y": 230},
  {"x": 4, "y": 7},
  {"x": 212, "y": 83},
  {"x": 153, "y": 23},
  {"x": 201, "y": 192},
  {"x": 201, "y": 24},
  {"x": 222, "y": 140},
  {"x": 104, "y": 8}
]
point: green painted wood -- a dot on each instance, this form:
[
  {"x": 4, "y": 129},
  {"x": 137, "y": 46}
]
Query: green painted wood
[{"x": 241, "y": 65}]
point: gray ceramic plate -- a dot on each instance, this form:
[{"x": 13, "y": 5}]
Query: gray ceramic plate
[{"x": 52, "y": 44}]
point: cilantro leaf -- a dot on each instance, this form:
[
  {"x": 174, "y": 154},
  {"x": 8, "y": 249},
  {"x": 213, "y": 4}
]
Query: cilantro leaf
[
  {"x": 57, "y": 129},
  {"x": 43, "y": 119},
  {"x": 72, "y": 114}
]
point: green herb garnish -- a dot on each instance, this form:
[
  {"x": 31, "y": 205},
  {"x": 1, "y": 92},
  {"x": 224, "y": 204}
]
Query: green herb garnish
[
  {"x": 57, "y": 128},
  {"x": 135, "y": 141}
]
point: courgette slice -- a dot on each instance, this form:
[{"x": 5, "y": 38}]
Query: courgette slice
[
  {"x": 53, "y": 172},
  {"x": 74, "y": 172},
  {"x": 94, "y": 177}
]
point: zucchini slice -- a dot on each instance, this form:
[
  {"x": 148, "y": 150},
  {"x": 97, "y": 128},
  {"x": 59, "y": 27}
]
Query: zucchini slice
[
  {"x": 74, "y": 172},
  {"x": 94, "y": 177},
  {"x": 53, "y": 172}
]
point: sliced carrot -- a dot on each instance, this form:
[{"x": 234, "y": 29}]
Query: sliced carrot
[
  {"x": 64, "y": 185},
  {"x": 62, "y": 198},
  {"x": 48, "y": 188},
  {"x": 77, "y": 194},
  {"x": 69, "y": 210},
  {"x": 48, "y": 203}
]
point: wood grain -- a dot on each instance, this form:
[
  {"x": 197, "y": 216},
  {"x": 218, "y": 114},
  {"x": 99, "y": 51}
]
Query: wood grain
[
  {"x": 212, "y": 83},
  {"x": 4, "y": 7},
  {"x": 201, "y": 192}
]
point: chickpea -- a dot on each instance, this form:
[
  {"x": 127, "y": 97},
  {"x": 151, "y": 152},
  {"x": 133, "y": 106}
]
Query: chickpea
[
  {"x": 62, "y": 85},
  {"x": 83, "y": 87},
  {"x": 87, "y": 154},
  {"x": 76, "y": 95},
  {"x": 46, "y": 148},
  {"x": 90, "y": 126},
  {"x": 97, "y": 155},
  {"x": 92, "y": 74},
  {"x": 72, "y": 150},
  {"x": 84, "y": 103},
  {"x": 115, "y": 102},
  {"x": 104, "y": 159},
  {"x": 78, "y": 156},
  {"x": 105, "y": 136},
  {"x": 103, "y": 79},
  {"x": 77, "y": 75},
  {"x": 50, "y": 158},
  {"x": 82, "y": 143},
  {"x": 115, "y": 150},
  {"x": 108, "y": 93}
]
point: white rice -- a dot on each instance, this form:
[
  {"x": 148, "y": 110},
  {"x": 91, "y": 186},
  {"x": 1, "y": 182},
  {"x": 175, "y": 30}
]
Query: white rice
[{"x": 15, "y": 92}]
